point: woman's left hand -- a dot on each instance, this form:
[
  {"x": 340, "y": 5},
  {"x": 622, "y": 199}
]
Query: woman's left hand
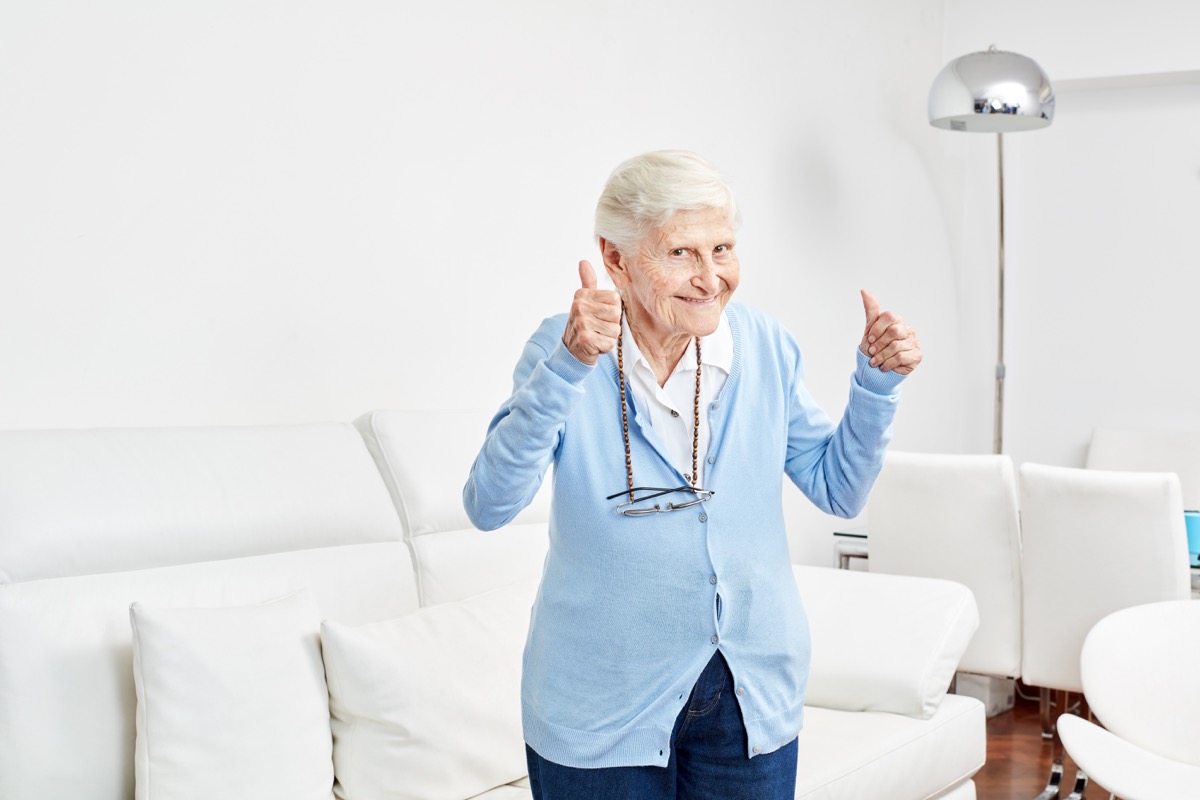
[{"x": 888, "y": 340}]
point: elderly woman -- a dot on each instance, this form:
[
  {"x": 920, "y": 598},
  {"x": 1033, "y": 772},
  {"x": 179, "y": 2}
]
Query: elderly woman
[{"x": 668, "y": 650}]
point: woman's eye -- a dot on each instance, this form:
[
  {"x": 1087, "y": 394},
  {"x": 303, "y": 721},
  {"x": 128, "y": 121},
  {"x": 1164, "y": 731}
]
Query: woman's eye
[
  {"x": 678, "y": 252},
  {"x": 721, "y": 249}
]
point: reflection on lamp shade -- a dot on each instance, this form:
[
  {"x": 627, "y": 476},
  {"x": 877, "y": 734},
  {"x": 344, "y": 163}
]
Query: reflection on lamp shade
[{"x": 992, "y": 91}]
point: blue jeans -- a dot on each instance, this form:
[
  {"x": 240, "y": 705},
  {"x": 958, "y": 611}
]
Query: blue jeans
[{"x": 708, "y": 758}]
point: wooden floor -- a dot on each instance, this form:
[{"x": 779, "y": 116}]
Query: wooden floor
[{"x": 1018, "y": 758}]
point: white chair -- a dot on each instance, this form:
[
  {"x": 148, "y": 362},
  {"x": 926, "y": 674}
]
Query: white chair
[
  {"x": 955, "y": 517},
  {"x": 1141, "y": 675},
  {"x": 1093, "y": 542},
  {"x": 1155, "y": 451},
  {"x": 1150, "y": 451}
]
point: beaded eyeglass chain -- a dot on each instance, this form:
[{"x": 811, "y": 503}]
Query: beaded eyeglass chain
[{"x": 625, "y": 411}]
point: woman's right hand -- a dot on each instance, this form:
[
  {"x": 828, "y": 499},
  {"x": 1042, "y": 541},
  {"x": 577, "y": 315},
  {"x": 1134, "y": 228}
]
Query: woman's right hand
[{"x": 594, "y": 322}]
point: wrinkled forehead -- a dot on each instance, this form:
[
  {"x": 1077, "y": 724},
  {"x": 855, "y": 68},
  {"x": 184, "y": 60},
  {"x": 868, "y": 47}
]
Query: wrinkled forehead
[{"x": 705, "y": 227}]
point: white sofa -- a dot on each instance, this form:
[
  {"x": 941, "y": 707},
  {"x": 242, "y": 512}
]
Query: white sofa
[{"x": 162, "y": 593}]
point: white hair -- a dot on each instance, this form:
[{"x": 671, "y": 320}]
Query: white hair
[{"x": 647, "y": 190}]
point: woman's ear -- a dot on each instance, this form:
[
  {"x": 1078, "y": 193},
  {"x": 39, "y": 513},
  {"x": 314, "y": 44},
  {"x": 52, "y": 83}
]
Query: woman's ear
[{"x": 615, "y": 264}]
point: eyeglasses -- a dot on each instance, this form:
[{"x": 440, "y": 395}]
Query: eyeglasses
[{"x": 644, "y": 505}]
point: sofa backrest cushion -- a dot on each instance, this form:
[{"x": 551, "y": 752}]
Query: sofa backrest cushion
[
  {"x": 884, "y": 642},
  {"x": 425, "y": 457},
  {"x": 79, "y": 502}
]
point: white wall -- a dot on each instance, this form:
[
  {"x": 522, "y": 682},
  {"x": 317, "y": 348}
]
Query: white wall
[
  {"x": 1102, "y": 207},
  {"x": 1106, "y": 297},
  {"x": 266, "y": 211}
]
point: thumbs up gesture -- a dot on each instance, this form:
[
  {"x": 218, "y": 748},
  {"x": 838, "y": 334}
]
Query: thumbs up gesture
[
  {"x": 594, "y": 322},
  {"x": 888, "y": 340}
]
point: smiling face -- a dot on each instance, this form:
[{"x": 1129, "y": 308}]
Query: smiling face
[{"x": 677, "y": 280}]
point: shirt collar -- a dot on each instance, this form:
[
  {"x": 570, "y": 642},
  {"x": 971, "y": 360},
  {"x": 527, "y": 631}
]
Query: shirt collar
[{"x": 716, "y": 349}]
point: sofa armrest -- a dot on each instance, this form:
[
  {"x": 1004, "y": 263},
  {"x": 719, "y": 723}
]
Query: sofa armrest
[{"x": 884, "y": 642}]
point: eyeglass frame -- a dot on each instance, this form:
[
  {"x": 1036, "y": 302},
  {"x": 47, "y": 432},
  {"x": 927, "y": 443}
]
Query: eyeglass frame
[{"x": 702, "y": 496}]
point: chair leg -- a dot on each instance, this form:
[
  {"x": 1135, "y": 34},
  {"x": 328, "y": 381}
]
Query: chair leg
[
  {"x": 1051, "y": 790},
  {"x": 1061, "y": 700},
  {"x": 1081, "y": 782},
  {"x": 1045, "y": 705},
  {"x": 1081, "y": 779}
]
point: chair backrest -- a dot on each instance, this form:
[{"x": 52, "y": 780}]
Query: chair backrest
[
  {"x": 955, "y": 517},
  {"x": 1093, "y": 542},
  {"x": 1150, "y": 451},
  {"x": 1141, "y": 675}
]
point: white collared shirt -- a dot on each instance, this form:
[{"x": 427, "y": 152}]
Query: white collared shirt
[{"x": 668, "y": 409}]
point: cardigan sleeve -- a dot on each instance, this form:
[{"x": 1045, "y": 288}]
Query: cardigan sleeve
[
  {"x": 524, "y": 434},
  {"x": 835, "y": 466}
]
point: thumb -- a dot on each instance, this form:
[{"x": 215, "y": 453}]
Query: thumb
[
  {"x": 870, "y": 306},
  {"x": 587, "y": 275}
]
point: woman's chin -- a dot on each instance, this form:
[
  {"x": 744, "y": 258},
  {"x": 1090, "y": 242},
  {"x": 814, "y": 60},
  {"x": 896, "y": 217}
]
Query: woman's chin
[{"x": 704, "y": 320}]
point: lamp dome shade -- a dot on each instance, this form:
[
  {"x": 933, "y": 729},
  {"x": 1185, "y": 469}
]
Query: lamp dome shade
[{"x": 991, "y": 91}]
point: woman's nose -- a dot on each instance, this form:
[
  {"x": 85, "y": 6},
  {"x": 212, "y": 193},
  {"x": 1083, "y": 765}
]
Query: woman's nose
[{"x": 706, "y": 277}]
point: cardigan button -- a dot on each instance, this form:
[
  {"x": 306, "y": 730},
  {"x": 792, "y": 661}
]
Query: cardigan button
[
  {"x": 704, "y": 517},
  {"x": 715, "y": 639}
]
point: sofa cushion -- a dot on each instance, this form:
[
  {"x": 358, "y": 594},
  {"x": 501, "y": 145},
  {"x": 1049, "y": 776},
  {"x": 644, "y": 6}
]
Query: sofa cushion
[
  {"x": 428, "y": 705},
  {"x": 508, "y": 792},
  {"x": 884, "y": 642},
  {"x": 879, "y": 756},
  {"x": 231, "y": 702},
  {"x": 455, "y": 565}
]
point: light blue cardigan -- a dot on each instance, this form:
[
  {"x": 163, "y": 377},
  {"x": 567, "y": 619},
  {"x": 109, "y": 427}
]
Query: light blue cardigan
[{"x": 627, "y": 615}]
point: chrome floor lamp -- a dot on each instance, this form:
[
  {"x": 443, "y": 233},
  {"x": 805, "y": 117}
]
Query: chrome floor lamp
[{"x": 993, "y": 92}]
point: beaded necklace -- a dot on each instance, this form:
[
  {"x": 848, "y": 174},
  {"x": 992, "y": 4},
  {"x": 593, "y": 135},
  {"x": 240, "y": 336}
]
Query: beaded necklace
[{"x": 625, "y": 411}]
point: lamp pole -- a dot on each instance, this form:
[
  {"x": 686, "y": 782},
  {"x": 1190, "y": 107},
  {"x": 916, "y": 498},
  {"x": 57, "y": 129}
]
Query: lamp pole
[{"x": 998, "y": 427}]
